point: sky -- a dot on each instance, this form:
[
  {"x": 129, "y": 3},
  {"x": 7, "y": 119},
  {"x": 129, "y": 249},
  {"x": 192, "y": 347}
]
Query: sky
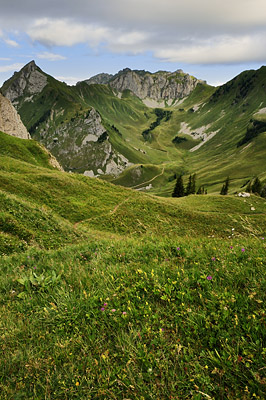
[{"x": 71, "y": 40}]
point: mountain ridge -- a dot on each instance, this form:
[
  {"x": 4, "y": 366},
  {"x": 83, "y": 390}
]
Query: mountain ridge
[{"x": 107, "y": 130}]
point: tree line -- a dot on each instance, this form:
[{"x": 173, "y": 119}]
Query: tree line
[
  {"x": 254, "y": 186},
  {"x": 180, "y": 190}
]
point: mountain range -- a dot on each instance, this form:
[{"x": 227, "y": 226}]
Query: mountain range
[{"x": 142, "y": 129}]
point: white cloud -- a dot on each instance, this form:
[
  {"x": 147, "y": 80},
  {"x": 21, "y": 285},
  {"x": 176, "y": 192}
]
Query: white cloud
[
  {"x": 66, "y": 33},
  {"x": 5, "y": 59},
  {"x": 225, "y": 49},
  {"x": 11, "y": 43},
  {"x": 11, "y": 68},
  {"x": 50, "y": 56},
  {"x": 193, "y": 31}
]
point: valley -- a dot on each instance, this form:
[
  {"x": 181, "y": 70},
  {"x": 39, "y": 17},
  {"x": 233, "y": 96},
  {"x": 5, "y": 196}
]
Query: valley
[{"x": 107, "y": 130}]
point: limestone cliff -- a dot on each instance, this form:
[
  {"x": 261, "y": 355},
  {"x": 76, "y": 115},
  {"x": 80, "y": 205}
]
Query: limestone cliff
[
  {"x": 27, "y": 82},
  {"x": 82, "y": 145},
  {"x": 10, "y": 121},
  {"x": 159, "y": 86}
]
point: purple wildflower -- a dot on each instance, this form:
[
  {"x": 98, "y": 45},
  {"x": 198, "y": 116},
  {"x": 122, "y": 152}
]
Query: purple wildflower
[
  {"x": 243, "y": 250},
  {"x": 124, "y": 312},
  {"x": 105, "y": 304},
  {"x": 113, "y": 310},
  {"x": 209, "y": 277},
  {"x": 213, "y": 258},
  {"x": 178, "y": 248},
  {"x": 102, "y": 309}
]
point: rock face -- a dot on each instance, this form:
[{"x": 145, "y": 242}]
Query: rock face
[
  {"x": 28, "y": 82},
  {"x": 101, "y": 79},
  {"x": 158, "y": 86},
  {"x": 82, "y": 145},
  {"x": 10, "y": 121}
]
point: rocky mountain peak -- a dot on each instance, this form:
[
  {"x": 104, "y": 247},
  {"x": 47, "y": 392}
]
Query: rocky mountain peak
[
  {"x": 101, "y": 79},
  {"x": 10, "y": 121},
  {"x": 159, "y": 86},
  {"x": 30, "y": 80}
]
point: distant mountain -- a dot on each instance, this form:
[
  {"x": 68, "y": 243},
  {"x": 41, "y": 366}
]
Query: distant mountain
[
  {"x": 159, "y": 86},
  {"x": 141, "y": 129},
  {"x": 58, "y": 117},
  {"x": 100, "y": 79}
]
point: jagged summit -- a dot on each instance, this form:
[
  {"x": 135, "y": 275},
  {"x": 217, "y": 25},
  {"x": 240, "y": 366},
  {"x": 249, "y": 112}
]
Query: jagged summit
[
  {"x": 29, "y": 81},
  {"x": 158, "y": 86}
]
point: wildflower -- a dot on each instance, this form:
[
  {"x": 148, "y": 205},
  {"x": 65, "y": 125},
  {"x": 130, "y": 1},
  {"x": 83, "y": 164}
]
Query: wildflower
[
  {"x": 231, "y": 247},
  {"x": 243, "y": 250},
  {"x": 102, "y": 309},
  {"x": 105, "y": 304},
  {"x": 178, "y": 248},
  {"x": 124, "y": 312},
  {"x": 77, "y": 383},
  {"x": 113, "y": 310},
  {"x": 209, "y": 277},
  {"x": 263, "y": 238},
  {"x": 213, "y": 258}
]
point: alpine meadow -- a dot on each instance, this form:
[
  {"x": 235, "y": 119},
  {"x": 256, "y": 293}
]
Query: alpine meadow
[{"x": 132, "y": 237}]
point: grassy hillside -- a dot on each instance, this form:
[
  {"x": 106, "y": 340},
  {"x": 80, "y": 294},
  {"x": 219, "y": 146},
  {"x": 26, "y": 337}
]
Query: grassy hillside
[
  {"x": 108, "y": 293},
  {"x": 97, "y": 205}
]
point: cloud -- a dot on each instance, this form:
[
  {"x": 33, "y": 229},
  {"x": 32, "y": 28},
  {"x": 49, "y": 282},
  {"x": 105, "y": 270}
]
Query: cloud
[
  {"x": 5, "y": 59},
  {"x": 218, "y": 50},
  {"x": 193, "y": 31},
  {"x": 61, "y": 32},
  {"x": 50, "y": 56},
  {"x": 11, "y": 68},
  {"x": 11, "y": 43}
]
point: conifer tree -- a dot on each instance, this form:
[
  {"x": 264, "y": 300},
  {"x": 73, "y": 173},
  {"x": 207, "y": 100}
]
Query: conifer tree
[
  {"x": 179, "y": 188},
  {"x": 224, "y": 190},
  {"x": 193, "y": 184},
  {"x": 189, "y": 186},
  {"x": 256, "y": 186}
]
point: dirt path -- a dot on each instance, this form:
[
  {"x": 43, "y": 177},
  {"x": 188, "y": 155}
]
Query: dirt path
[
  {"x": 97, "y": 216},
  {"x": 152, "y": 179}
]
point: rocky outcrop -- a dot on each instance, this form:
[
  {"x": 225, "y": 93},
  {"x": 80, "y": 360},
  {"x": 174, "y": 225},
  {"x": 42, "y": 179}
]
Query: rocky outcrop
[
  {"x": 10, "y": 121},
  {"x": 157, "y": 86},
  {"x": 28, "y": 82},
  {"x": 82, "y": 145},
  {"x": 101, "y": 79}
]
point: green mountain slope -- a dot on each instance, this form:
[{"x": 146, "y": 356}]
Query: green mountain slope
[
  {"x": 72, "y": 204},
  {"x": 97, "y": 130}
]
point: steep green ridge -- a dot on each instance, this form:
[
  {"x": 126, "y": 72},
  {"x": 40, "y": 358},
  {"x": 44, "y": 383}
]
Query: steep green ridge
[{"x": 29, "y": 151}]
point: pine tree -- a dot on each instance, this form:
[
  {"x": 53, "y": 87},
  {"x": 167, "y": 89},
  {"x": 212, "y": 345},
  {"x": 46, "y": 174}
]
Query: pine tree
[
  {"x": 179, "y": 188},
  {"x": 248, "y": 188},
  {"x": 256, "y": 186},
  {"x": 189, "y": 186},
  {"x": 193, "y": 184},
  {"x": 201, "y": 190},
  {"x": 224, "y": 190}
]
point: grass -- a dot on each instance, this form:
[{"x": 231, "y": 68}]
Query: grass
[{"x": 135, "y": 318}]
